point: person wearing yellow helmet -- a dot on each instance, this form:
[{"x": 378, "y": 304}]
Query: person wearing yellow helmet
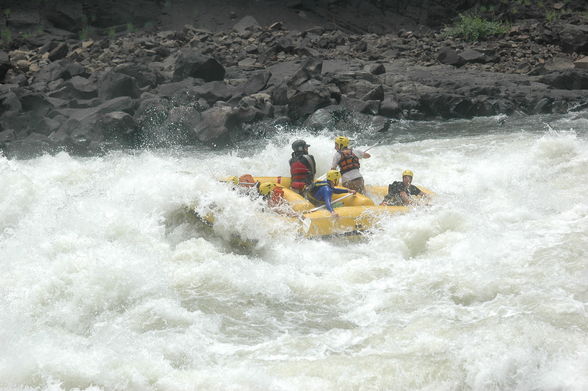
[
  {"x": 348, "y": 161},
  {"x": 321, "y": 192},
  {"x": 272, "y": 193},
  {"x": 401, "y": 193}
]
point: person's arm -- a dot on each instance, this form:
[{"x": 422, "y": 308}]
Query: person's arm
[
  {"x": 327, "y": 195},
  {"x": 335, "y": 161},
  {"x": 361, "y": 154},
  {"x": 336, "y": 190}
]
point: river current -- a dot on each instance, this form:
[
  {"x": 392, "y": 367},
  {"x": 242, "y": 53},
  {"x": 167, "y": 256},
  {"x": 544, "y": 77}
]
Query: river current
[{"x": 109, "y": 281}]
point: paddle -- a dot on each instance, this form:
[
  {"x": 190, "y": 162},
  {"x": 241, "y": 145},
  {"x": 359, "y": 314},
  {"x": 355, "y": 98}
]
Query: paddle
[
  {"x": 368, "y": 148},
  {"x": 323, "y": 206}
]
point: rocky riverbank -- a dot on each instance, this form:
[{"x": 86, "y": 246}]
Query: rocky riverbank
[{"x": 119, "y": 87}]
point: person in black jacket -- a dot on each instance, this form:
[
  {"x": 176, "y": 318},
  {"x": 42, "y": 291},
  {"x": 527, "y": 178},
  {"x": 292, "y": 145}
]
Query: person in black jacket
[
  {"x": 402, "y": 193},
  {"x": 302, "y": 167}
]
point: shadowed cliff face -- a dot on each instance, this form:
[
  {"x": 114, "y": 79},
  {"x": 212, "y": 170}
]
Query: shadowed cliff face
[
  {"x": 354, "y": 16},
  {"x": 90, "y": 75}
]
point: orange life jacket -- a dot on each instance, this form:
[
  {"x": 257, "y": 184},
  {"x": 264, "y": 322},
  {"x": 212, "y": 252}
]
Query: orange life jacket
[{"x": 348, "y": 161}]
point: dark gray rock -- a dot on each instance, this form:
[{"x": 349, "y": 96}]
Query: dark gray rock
[
  {"x": 59, "y": 52},
  {"x": 303, "y": 103},
  {"x": 574, "y": 38},
  {"x": 216, "y": 124},
  {"x": 390, "y": 107},
  {"x": 191, "y": 63},
  {"x": 4, "y": 64},
  {"x": 247, "y": 23},
  {"x": 144, "y": 76},
  {"x": 256, "y": 82},
  {"x": 113, "y": 84},
  {"x": 449, "y": 56},
  {"x": 572, "y": 79},
  {"x": 473, "y": 56},
  {"x": 375, "y": 94}
]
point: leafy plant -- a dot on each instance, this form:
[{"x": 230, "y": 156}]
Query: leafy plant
[
  {"x": 130, "y": 28},
  {"x": 474, "y": 28},
  {"x": 552, "y": 16},
  {"x": 6, "y": 36},
  {"x": 85, "y": 33},
  {"x": 111, "y": 32}
]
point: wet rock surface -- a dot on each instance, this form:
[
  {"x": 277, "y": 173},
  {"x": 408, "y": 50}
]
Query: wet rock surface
[{"x": 271, "y": 62}]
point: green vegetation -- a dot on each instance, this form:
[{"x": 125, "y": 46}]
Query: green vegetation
[
  {"x": 6, "y": 36},
  {"x": 474, "y": 28},
  {"x": 552, "y": 15},
  {"x": 111, "y": 32},
  {"x": 130, "y": 28},
  {"x": 85, "y": 33}
]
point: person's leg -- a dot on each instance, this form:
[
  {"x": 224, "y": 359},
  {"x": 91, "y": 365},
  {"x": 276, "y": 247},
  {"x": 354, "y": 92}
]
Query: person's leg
[{"x": 356, "y": 184}]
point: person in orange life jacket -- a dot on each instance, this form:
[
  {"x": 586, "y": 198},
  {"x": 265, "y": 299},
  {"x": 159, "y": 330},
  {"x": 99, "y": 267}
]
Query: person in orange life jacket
[
  {"x": 272, "y": 193},
  {"x": 322, "y": 191},
  {"x": 302, "y": 167},
  {"x": 400, "y": 193},
  {"x": 245, "y": 184},
  {"x": 348, "y": 162}
]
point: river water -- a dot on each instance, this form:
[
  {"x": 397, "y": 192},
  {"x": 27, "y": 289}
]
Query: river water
[{"x": 109, "y": 282}]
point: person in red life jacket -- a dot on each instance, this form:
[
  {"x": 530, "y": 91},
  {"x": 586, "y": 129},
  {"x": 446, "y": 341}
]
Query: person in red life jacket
[
  {"x": 348, "y": 161},
  {"x": 401, "y": 193},
  {"x": 302, "y": 167},
  {"x": 322, "y": 191}
]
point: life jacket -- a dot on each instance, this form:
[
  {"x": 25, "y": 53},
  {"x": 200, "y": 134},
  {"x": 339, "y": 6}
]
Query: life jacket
[
  {"x": 393, "y": 196},
  {"x": 313, "y": 188},
  {"x": 348, "y": 160},
  {"x": 277, "y": 197},
  {"x": 247, "y": 180},
  {"x": 301, "y": 170}
]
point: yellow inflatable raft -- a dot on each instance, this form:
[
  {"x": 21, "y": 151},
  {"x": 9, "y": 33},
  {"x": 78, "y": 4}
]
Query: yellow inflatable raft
[{"x": 356, "y": 213}]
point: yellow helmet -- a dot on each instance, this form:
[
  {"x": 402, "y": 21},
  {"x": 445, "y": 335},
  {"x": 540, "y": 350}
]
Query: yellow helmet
[
  {"x": 233, "y": 179},
  {"x": 333, "y": 176},
  {"x": 266, "y": 188},
  {"x": 342, "y": 141},
  {"x": 407, "y": 173}
]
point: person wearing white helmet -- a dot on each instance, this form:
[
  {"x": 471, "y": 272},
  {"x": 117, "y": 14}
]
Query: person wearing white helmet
[
  {"x": 402, "y": 193},
  {"x": 348, "y": 161}
]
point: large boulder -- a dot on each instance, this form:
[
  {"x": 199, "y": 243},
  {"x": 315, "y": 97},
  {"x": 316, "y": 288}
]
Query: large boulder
[
  {"x": 217, "y": 122},
  {"x": 574, "y": 38},
  {"x": 4, "y": 64},
  {"x": 572, "y": 79},
  {"x": 113, "y": 84},
  {"x": 191, "y": 63}
]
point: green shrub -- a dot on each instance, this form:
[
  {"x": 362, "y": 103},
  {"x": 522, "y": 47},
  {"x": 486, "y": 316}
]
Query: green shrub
[
  {"x": 552, "y": 16},
  {"x": 474, "y": 28},
  {"x": 6, "y": 36},
  {"x": 86, "y": 33}
]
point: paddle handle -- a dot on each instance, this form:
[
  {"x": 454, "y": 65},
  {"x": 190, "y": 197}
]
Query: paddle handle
[{"x": 337, "y": 200}]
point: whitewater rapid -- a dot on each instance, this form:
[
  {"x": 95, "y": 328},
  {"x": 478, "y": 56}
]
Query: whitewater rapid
[{"x": 109, "y": 282}]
